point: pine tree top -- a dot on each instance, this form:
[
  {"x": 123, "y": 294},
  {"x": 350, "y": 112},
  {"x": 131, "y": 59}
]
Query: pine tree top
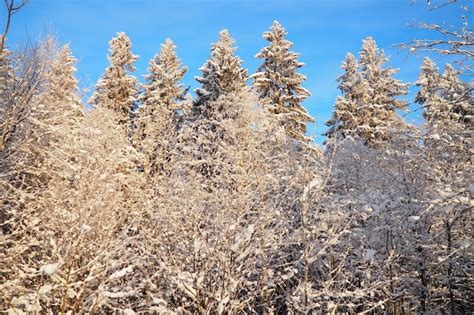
[
  {"x": 120, "y": 53},
  {"x": 61, "y": 78},
  {"x": 279, "y": 84},
  {"x": 428, "y": 82},
  {"x": 222, "y": 73},
  {"x": 165, "y": 72},
  {"x": 117, "y": 89},
  {"x": 367, "y": 107}
]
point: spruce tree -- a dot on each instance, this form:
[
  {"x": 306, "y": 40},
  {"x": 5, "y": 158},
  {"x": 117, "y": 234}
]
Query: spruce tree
[
  {"x": 61, "y": 86},
  {"x": 378, "y": 109},
  {"x": 429, "y": 94},
  {"x": 163, "y": 87},
  {"x": 279, "y": 84},
  {"x": 344, "y": 120},
  {"x": 54, "y": 113},
  {"x": 157, "y": 116},
  {"x": 447, "y": 152},
  {"x": 367, "y": 107},
  {"x": 445, "y": 98},
  {"x": 117, "y": 89},
  {"x": 459, "y": 97},
  {"x": 221, "y": 74}
]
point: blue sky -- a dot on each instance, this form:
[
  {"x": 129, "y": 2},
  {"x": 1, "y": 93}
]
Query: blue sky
[{"x": 322, "y": 31}]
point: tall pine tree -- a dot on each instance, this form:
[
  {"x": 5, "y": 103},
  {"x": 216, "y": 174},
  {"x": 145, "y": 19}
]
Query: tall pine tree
[
  {"x": 117, "y": 89},
  {"x": 378, "y": 108},
  {"x": 445, "y": 97},
  {"x": 344, "y": 120},
  {"x": 447, "y": 152},
  {"x": 279, "y": 84},
  {"x": 459, "y": 96},
  {"x": 157, "y": 116},
  {"x": 221, "y": 74},
  {"x": 367, "y": 107}
]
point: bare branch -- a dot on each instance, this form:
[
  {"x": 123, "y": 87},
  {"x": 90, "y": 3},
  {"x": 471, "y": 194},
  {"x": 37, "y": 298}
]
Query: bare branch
[{"x": 11, "y": 10}]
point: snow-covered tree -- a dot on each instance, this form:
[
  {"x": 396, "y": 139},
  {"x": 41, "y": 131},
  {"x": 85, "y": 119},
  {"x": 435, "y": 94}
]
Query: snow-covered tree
[
  {"x": 80, "y": 229},
  {"x": 61, "y": 87},
  {"x": 447, "y": 137},
  {"x": 162, "y": 97},
  {"x": 377, "y": 110},
  {"x": 221, "y": 74},
  {"x": 445, "y": 98},
  {"x": 55, "y": 105},
  {"x": 25, "y": 77},
  {"x": 367, "y": 107},
  {"x": 428, "y": 95},
  {"x": 117, "y": 88},
  {"x": 279, "y": 84},
  {"x": 163, "y": 87},
  {"x": 68, "y": 199},
  {"x": 459, "y": 95},
  {"x": 344, "y": 120}
]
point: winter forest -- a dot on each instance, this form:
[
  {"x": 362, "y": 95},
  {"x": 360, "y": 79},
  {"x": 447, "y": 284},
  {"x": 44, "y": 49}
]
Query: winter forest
[{"x": 150, "y": 198}]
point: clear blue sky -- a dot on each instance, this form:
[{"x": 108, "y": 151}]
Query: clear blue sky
[{"x": 322, "y": 31}]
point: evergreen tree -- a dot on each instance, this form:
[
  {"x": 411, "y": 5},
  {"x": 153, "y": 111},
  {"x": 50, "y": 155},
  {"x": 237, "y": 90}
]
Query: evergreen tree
[
  {"x": 367, "y": 107},
  {"x": 61, "y": 87},
  {"x": 344, "y": 119},
  {"x": 447, "y": 151},
  {"x": 458, "y": 96},
  {"x": 429, "y": 89},
  {"x": 445, "y": 98},
  {"x": 54, "y": 113},
  {"x": 378, "y": 108},
  {"x": 279, "y": 85},
  {"x": 117, "y": 89},
  {"x": 161, "y": 98},
  {"x": 428, "y": 82},
  {"x": 163, "y": 87},
  {"x": 221, "y": 74},
  {"x": 223, "y": 80}
]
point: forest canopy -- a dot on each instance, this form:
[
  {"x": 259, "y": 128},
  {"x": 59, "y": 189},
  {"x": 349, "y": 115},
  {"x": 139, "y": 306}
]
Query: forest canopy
[{"x": 148, "y": 198}]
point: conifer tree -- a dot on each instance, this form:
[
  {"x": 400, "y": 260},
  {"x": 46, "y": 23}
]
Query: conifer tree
[
  {"x": 160, "y": 101},
  {"x": 163, "y": 87},
  {"x": 279, "y": 84},
  {"x": 61, "y": 86},
  {"x": 445, "y": 98},
  {"x": 117, "y": 89},
  {"x": 459, "y": 96},
  {"x": 369, "y": 102},
  {"x": 429, "y": 93},
  {"x": 344, "y": 119},
  {"x": 378, "y": 111},
  {"x": 447, "y": 151},
  {"x": 53, "y": 113},
  {"x": 221, "y": 74}
]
